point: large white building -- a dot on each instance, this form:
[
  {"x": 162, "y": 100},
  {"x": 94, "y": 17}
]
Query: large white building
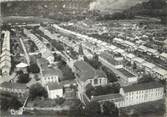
[
  {"x": 54, "y": 90},
  {"x": 134, "y": 94},
  {"x": 49, "y": 74}
]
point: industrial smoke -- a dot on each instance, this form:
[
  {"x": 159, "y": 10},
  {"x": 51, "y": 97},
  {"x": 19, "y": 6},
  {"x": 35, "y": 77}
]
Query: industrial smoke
[{"x": 114, "y": 5}]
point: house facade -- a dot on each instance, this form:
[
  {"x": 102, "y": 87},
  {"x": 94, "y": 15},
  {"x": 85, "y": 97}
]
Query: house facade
[
  {"x": 134, "y": 94},
  {"x": 48, "y": 73},
  {"x": 17, "y": 89},
  {"x": 54, "y": 90}
]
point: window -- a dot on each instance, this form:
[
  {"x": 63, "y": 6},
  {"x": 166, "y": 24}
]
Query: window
[
  {"x": 100, "y": 80},
  {"x": 95, "y": 81}
]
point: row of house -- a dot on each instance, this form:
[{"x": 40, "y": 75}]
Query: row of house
[
  {"x": 5, "y": 58},
  {"x": 129, "y": 95},
  {"x": 46, "y": 53},
  {"x": 131, "y": 47},
  {"x": 148, "y": 67},
  {"x": 116, "y": 65},
  {"x": 17, "y": 89},
  {"x": 141, "y": 63}
]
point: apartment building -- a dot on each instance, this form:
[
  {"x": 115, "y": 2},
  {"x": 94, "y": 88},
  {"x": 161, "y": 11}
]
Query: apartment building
[{"x": 134, "y": 94}]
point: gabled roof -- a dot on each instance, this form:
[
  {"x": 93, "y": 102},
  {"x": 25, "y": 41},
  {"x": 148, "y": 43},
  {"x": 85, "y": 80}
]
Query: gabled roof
[
  {"x": 49, "y": 71},
  {"x": 153, "y": 51},
  {"x": 114, "y": 97},
  {"x": 160, "y": 71},
  {"x": 13, "y": 85},
  {"x": 143, "y": 48},
  {"x": 86, "y": 71},
  {"x": 21, "y": 65},
  {"x": 139, "y": 60},
  {"x": 54, "y": 86},
  {"x": 149, "y": 65},
  {"x": 131, "y": 56},
  {"x": 164, "y": 55},
  {"x": 119, "y": 50},
  {"x": 142, "y": 86}
]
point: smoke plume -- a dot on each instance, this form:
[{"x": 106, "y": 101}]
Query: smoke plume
[{"x": 113, "y": 5}]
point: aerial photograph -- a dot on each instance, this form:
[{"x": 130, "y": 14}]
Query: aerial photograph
[{"x": 83, "y": 58}]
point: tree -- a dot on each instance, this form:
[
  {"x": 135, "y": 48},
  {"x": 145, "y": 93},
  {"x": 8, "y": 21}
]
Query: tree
[
  {"x": 110, "y": 74},
  {"x": 93, "y": 108},
  {"x": 9, "y": 102},
  {"x": 110, "y": 109},
  {"x": 59, "y": 101},
  {"x": 33, "y": 68},
  {"x": 94, "y": 62},
  {"x": 37, "y": 90},
  {"x": 134, "y": 66},
  {"x": 23, "y": 78},
  {"x": 67, "y": 73},
  {"x": 128, "y": 64},
  {"x": 57, "y": 57},
  {"x": 15, "y": 104},
  {"x": 146, "y": 78},
  {"x": 57, "y": 45},
  {"x": 80, "y": 51}
]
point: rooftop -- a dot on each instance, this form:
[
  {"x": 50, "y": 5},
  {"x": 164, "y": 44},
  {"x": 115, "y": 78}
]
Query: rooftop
[
  {"x": 21, "y": 65},
  {"x": 160, "y": 71},
  {"x": 142, "y": 86},
  {"x": 115, "y": 97},
  {"x": 164, "y": 55},
  {"x": 139, "y": 60},
  {"x": 152, "y": 50},
  {"x": 129, "y": 43},
  {"x": 118, "y": 39},
  {"x": 119, "y": 50},
  {"x": 86, "y": 71},
  {"x": 131, "y": 56},
  {"x": 107, "y": 56},
  {"x": 55, "y": 85},
  {"x": 13, "y": 85},
  {"x": 149, "y": 65},
  {"x": 112, "y": 47},
  {"x": 126, "y": 73},
  {"x": 143, "y": 48},
  {"x": 48, "y": 71}
]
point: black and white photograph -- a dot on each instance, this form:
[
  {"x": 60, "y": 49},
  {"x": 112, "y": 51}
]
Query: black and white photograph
[{"x": 83, "y": 58}]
